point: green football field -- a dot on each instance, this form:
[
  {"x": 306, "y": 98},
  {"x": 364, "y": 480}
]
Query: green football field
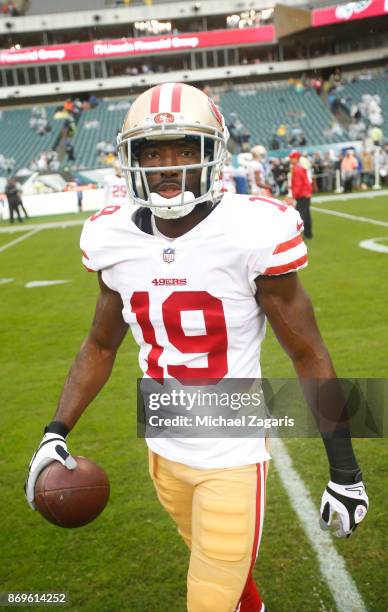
[{"x": 131, "y": 558}]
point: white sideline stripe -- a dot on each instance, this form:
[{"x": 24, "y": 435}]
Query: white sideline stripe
[
  {"x": 358, "y": 195},
  {"x": 331, "y": 563},
  {"x": 51, "y": 225},
  {"x": 13, "y": 242},
  {"x": 336, "y": 213},
  {"x": 47, "y": 283}
]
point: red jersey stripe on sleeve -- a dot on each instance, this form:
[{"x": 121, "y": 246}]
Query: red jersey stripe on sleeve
[
  {"x": 289, "y": 244},
  {"x": 88, "y": 269},
  {"x": 176, "y": 98},
  {"x": 155, "y": 98},
  {"x": 288, "y": 267}
]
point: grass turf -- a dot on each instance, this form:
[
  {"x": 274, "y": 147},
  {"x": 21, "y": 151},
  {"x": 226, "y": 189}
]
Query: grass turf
[{"x": 131, "y": 557}]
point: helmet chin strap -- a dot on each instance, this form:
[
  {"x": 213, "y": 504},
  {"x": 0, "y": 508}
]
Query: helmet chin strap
[{"x": 172, "y": 208}]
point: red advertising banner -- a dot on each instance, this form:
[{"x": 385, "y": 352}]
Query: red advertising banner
[
  {"x": 349, "y": 12},
  {"x": 127, "y": 47}
]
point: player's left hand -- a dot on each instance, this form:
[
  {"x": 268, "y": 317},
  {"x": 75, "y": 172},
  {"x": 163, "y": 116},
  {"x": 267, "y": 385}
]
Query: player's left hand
[{"x": 348, "y": 502}]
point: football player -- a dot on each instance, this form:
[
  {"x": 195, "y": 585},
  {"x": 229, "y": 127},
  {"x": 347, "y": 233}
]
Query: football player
[
  {"x": 115, "y": 188},
  {"x": 224, "y": 263},
  {"x": 256, "y": 171}
]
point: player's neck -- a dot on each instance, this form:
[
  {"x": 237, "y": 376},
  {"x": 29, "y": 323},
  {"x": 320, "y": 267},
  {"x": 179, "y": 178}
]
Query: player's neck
[{"x": 173, "y": 228}]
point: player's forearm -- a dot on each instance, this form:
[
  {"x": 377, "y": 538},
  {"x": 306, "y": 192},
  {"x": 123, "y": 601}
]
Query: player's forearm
[
  {"x": 314, "y": 362},
  {"x": 88, "y": 374},
  {"x": 324, "y": 395}
]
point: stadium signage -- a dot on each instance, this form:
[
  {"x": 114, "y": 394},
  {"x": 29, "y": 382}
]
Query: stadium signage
[
  {"x": 349, "y": 12},
  {"x": 137, "y": 46}
]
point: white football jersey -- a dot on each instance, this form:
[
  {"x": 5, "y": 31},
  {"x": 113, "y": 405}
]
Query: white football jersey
[
  {"x": 253, "y": 167},
  {"x": 190, "y": 302},
  {"x": 228, "y": 182},
  {"x": 115, "y": 190}
]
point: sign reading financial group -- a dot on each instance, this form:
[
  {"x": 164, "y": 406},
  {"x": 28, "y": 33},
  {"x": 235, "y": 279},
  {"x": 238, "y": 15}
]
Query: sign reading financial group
[{"x": 137, "y": 46}]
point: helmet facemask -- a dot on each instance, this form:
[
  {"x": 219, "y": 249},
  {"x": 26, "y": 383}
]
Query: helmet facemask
[{"x": 212, "y": 143}]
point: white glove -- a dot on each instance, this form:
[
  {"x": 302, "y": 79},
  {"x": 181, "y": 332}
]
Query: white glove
[
  {"x": 350, "y": 504},
  {"x": 52, "y": 448}
]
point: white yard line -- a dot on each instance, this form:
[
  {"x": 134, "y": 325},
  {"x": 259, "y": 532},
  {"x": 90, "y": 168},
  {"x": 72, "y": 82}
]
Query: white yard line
[
  {"x": 358, "y": 195},
  {"x": 331, "y": 563},
  {"x": 17, "y": 240},
  {"x": 22, "y": 227},
  {"x": 336, "y": 213}
]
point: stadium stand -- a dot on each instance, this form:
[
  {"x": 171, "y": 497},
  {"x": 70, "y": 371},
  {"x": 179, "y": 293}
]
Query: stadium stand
[
  {"x": 354, "y": 91},
  {"x": 264, "y": 110},
  {"x": 20, "y": 142},
  {"x": 261, "y": 111},
  {"x": 110, "y": 116}
]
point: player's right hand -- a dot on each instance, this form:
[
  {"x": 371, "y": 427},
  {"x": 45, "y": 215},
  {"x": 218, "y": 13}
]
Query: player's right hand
[{"x": 52, "y": 448}]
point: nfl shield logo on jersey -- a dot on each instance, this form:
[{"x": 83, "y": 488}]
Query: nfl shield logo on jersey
[{"x": 168, "y": 255}]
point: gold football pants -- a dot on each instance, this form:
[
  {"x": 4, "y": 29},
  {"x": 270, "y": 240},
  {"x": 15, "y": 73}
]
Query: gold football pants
[{"x": 219, "y": 514}]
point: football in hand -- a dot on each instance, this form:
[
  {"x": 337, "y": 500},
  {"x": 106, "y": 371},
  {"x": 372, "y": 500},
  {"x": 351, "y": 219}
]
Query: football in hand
[{"x": 71, "y": 498}]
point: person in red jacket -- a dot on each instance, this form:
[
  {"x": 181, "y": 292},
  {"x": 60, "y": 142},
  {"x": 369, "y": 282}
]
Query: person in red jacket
[{"x": 301, "y": 189}]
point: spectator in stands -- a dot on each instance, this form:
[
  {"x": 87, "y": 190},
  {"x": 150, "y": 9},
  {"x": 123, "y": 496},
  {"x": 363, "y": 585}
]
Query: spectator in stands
[
  {"x": 301, "y": 189},
  {"x": 281, "y": 134},
  {"x": 317, "y": 84},
  {"x": 349, "y": 167},
  {"x": 41, "y": 126},
  {"x": 274, "y": 143},
  {"x": 69, "y": 106},
  {"x": 335, "y": 78},
  {"x": 357, "y": 129},
  {"x": 69, "y": 149},
  {"x": 13, "y": 193},
  {"x": 10, "y": 8},
  {"x": 9, "y": 164},
  {"x": 33, "y": 165},
  {"x": 376, "y": 134},
  {"x": 42, "y": 162},
  {"x": 70, "y": 127},
  {"x": 52, "y": 161},
  {"x": 335, "y": 131},
  {"x": 91, "y": 124},
  {"x": 101, "y": 146},
  {"x": 77, "y": 107},
  {"x": 93, "y": 101}
]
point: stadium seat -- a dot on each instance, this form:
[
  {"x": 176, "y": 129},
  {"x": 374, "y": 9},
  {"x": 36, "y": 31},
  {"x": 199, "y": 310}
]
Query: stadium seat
[{"x": 22, "y": 143}]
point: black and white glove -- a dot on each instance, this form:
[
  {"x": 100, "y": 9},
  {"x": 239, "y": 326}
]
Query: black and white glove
[
  {"x": 349, "y": 502},
  {"x": 52, "y": 448}
]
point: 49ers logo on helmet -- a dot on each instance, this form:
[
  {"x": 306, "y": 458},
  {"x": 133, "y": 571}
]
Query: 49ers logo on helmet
[
  {"x": 164, "y": 118},
  {"x": 216, "y": 112}
]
